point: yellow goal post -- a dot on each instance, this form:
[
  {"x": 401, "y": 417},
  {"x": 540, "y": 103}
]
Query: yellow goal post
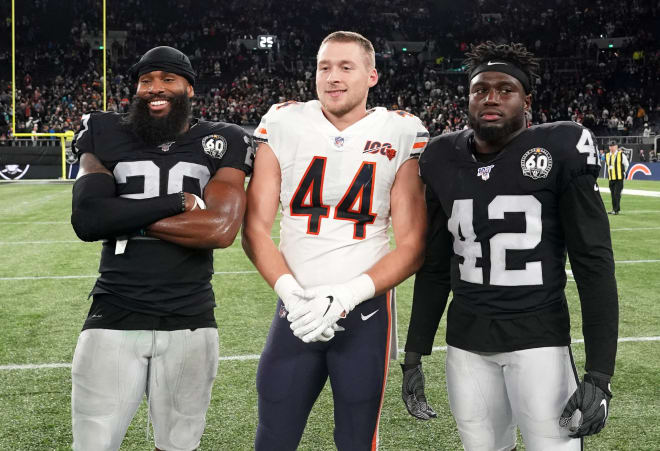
[{"x": 64, "y": 136}]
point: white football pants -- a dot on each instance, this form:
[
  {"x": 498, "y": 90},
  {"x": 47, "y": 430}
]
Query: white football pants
[
  {"x": 492, "y": 393},
  {"x": 113, "y": 369}
]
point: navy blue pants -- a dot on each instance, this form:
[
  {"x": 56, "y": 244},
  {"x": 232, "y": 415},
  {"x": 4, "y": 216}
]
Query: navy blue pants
[{"x": 291, "y": 375}]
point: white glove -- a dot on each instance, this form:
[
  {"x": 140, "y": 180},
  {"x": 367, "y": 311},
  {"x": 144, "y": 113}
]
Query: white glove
[
  {"x": 291, "y": 293},
  {"x": 289, "y": 290},
  {"x": 329, "y": 333},
  {"x": 328, "y": 304}
]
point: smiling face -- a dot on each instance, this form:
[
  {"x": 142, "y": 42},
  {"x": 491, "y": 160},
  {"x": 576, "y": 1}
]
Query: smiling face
[
  {"x": 497, "y": 106},
  {"x": 160, "y": 110},
  {"x": 343, "y": 78},
  {"x": 159, "y": 88}
]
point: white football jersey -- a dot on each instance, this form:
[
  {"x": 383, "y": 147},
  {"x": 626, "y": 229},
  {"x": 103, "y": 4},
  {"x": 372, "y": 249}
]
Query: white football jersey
[{"x": 335, "y": 190}]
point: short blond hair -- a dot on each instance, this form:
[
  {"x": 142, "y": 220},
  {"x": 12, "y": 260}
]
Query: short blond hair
[{"x": 351, "y": 36}]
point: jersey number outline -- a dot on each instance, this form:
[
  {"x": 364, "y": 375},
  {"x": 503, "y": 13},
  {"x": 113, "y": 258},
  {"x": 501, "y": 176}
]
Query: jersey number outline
[
  {"x": 151, "y": 173},
  {"x": 586, "y": 144},
  {"x": 355, "y": 204},
  {"x": 460, "y": 224}
]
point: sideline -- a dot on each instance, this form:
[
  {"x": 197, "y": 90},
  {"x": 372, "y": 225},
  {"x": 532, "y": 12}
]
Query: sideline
[{"x": 634, "y": 192}]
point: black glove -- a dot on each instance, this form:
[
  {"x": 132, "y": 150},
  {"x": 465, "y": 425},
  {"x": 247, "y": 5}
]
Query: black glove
[
  {"x": 412, "y": 392},
  {"x": 592, "y": 398}
]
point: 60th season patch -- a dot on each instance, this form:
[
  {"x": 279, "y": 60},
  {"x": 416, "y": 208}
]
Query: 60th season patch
[
  {"x": 214, "y": 145},
  {"x": 536, "y": 163}
]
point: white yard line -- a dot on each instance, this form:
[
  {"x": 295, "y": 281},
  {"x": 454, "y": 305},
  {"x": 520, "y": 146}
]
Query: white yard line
[
  {"x": 37, "y": 366},
  {"x": 627, "y": 229},
  {"x": 9, "y": 243},
  {"x": 32, "y": 222},
  {"x": 635, "y": 192},
  {"x": 219, "y": 273}
]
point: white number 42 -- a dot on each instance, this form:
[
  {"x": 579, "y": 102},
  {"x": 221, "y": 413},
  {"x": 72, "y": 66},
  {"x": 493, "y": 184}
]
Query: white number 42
[{"x": 460, "y": 224}]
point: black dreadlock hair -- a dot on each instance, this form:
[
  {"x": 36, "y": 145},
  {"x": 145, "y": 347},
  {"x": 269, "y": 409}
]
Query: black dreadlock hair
[{"x": 515, "y": 53}]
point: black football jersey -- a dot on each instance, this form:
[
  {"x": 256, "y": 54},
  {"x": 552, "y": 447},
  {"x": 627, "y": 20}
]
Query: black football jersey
[
  {"x": 505, "y": 225},
  {"x": 151, "y": 275}
]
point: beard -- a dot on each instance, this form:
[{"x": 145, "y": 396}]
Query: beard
[
  {"x": 157, "y": 130},
  {"x": 494, "y": 133}
]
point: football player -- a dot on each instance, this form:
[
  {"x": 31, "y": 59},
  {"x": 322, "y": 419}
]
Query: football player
[
  {"x": 161, "y": 190},
  {"x": 342, "y": 174},
  {"x": 505, "y": 204}
]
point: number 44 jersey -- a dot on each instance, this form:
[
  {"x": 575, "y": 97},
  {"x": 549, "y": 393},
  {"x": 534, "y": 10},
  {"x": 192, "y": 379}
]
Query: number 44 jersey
[
  {"x": 507, "y": 222},
  {"x": 335, "y": 188}
]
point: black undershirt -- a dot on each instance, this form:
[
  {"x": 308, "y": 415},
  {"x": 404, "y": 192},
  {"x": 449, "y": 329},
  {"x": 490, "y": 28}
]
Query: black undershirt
[{"x": 104, "y": 314}]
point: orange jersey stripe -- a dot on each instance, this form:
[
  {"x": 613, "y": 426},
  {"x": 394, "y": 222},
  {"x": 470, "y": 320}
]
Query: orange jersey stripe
[
  {"x": 374, "y": 440},
  {"x": 419, "y": 144}
]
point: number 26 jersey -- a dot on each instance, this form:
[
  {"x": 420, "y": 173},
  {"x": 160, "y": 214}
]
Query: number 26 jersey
[{"x": 335, "y": 187}]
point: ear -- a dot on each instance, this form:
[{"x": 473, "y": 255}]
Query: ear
[
  {"x": 190, "y": 90},
  {"x": 528, "y": 102},
  {"x": 373, "y": 77}
]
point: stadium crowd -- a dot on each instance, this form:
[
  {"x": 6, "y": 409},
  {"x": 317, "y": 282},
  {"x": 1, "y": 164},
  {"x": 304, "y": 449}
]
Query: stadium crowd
[{"x": 59, "y": 66}]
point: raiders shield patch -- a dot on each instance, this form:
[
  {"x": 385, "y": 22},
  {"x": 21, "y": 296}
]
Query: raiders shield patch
[
  {"x": 214, "y": 145},
  {"x": 536, "y": 163}
]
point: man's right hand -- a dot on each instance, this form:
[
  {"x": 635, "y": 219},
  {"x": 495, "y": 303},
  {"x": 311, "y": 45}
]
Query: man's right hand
[
  {"x": 412, "y": 392},
  {"x": 289, "y": 290}
]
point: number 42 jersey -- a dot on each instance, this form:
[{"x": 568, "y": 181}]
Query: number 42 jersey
[
  {"x": 502, "y": 231},
  {"x": 335, "y": 188}
]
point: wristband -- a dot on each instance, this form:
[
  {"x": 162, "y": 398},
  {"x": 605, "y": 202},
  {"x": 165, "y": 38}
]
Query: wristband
[
  {"x": 362, "y": 288},
  {"x": 199, "y": 203},
  {"x": 285, "y": 284},
  {"x": 284, "y": 287},
  {"x": 183, "y": 202}
]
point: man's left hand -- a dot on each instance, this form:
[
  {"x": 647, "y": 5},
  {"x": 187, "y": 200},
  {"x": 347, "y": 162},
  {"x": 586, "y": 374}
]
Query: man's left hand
[
  {"x": 310, "y": 319},
  {"x": 592, "y": 398}
]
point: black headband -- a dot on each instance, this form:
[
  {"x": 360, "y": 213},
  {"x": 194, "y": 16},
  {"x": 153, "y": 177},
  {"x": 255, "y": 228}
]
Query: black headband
[{"x": 504, "y": 67}]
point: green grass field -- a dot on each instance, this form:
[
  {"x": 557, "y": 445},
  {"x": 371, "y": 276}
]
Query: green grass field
[{"x": 46, "y": 273}]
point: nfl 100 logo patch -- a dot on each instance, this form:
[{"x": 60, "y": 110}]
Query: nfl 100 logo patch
[
  {"x": 214, "y": 145},
  {"x": 484, "y": 172},
  {"x": 339, "y": 141},
  {"x": 536, "y": 163}
]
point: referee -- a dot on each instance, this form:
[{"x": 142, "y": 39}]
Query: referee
[{"x": 617, "y": 165}]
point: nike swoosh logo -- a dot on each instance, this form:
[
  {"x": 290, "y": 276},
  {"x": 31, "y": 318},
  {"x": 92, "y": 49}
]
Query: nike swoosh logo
[
  {"x": 490, "y": 63},
  {"x": 604, "y": 404},
  {"x": 366, "y": 317},
  {"x": 331, "y": 298}
]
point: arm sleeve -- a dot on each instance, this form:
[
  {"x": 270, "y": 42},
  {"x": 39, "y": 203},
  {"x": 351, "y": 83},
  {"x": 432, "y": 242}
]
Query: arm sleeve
[
  {"x": 432, "y": 282},
  {"x": 587, "y": 234},
  {"x": 97, "y": 212},
  {"x": 420, "y": 140},
  {"x": 83, "y": 140}
]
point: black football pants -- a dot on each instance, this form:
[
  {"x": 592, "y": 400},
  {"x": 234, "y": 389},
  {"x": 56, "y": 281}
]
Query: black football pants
[
  {"x": 291, "y": 375},
  {"x": 616, "y": 186}
]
